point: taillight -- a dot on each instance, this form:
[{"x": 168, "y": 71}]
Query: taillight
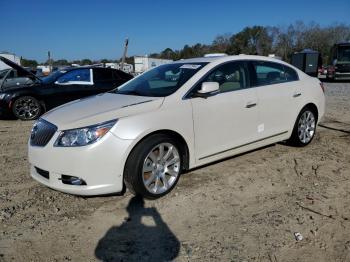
[{"x": 322, "y": 86}]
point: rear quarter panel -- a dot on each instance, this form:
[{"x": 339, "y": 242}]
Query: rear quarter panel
[{"x": 311, "y": 93}]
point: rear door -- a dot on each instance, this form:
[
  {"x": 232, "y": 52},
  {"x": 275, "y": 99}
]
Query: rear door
[
  {"x": 227, "y": 120},
  {"x": 277, "y": 95}
]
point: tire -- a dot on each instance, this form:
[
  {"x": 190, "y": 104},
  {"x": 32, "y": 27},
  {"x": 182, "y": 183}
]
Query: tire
[
  {"x": 304, "y": 128},
  {"x": 149, "y": 176},
  {"x": 26, "y": 108}
]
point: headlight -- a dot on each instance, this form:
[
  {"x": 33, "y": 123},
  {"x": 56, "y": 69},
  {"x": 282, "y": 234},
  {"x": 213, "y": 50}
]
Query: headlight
[
  {"x": 2, "y": 96},
  {"x": 83, "y": 136}
]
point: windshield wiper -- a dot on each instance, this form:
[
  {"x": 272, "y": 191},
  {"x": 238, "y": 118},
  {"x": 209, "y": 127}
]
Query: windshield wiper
[{"x": 130, "y": 92}]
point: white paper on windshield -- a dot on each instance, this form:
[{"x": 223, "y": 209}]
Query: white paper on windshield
[{"x": 190, "y": 66}]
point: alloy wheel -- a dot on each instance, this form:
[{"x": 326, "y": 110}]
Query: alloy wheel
[
  {"x": 161, "y": 168},
  {"x": 306, "y": 127},
  {"x": 26, "y": 108}
]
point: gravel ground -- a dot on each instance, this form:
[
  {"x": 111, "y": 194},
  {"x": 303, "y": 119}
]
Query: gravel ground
[{"x": 246, "y": 208}]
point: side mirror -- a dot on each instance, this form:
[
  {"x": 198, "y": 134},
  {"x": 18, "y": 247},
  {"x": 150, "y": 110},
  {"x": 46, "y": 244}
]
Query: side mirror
[{"x": 207, "y": 89}]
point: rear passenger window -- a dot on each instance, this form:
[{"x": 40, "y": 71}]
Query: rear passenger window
[
  {"x": 102, "y": 74},
  {"x": 230, "y": 76},
  {"x": 268, "y": 73},
  {"x": 121, "y": 75},
  {"x": 291, "y": 74}
]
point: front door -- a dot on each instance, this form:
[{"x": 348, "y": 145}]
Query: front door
[{"x": 229, "y": 119}]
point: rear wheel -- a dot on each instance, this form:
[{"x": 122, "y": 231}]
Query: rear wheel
[
  {"x": 26, "y": 108},
  {"x": 304, "y": 128},
  {"x": 154, "y": 166}
]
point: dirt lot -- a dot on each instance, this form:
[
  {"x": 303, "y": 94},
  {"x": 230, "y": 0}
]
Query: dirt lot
[{"x": 246, "y": 208}]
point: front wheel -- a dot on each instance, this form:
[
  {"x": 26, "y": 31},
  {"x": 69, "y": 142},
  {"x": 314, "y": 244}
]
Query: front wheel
[
  {"x": 153, "y": 167},
  {"x": 304, "y": 128},
  {"x": 26, "y": 108}
]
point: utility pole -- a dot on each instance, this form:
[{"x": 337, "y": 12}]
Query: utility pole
[
  {"x": 124, "y": 55},
  {"x": 50, "y": 61}
]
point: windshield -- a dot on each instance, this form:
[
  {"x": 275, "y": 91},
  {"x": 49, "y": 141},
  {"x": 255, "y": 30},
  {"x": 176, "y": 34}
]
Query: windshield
[
  {"x": 344, "y": 54},
  {"x": 53, "y": 76},
  {"x": 3, "y": 73},
  {"x": 161, "y": 81}
]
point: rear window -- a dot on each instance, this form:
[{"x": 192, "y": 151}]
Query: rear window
[{"x": 344, "y": 54}]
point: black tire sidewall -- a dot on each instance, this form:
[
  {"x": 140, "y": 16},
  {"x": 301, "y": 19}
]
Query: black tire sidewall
[
  {"x": 27, "y": 119},
  {"x": 134, "y": 165},
  {"x": 295, "y": 140}
]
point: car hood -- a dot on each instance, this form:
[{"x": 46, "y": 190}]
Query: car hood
[
  {"x": 20, "y": 70},
  {"x": 99, "y": 109}
]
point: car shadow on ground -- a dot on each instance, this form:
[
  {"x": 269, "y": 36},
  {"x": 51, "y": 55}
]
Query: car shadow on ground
[
  {"x": 334, "y": 129},
  {"x": 7, "y": 117},
  {"x": 327, "y": 80},
  {"x": 137, "y": 241}
]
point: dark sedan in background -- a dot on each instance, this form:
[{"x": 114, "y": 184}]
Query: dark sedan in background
[{"x": 25, "y": 96}]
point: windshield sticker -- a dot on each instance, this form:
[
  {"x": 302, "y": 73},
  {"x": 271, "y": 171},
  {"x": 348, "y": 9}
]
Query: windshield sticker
[{"x": 189, "y": 66}]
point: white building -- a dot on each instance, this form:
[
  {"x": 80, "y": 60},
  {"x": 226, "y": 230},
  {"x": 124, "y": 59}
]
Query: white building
[
  {"x": 127, "y": 68},
  {"x": 144, "y": 63},
  {"x": 45, "y": 69},
  {"x": 11, "y": 57}
]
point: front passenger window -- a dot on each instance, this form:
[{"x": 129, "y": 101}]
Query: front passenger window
[{"x": 230, "y": 76}]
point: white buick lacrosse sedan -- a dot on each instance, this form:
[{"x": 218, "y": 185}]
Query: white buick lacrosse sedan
[{"x": 170, "y": 119}]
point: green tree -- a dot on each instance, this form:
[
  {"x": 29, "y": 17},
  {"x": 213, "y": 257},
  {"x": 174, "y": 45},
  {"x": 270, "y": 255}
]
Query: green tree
[
  {"x": 221, "y": 44},
  {"x": 168, "y": 53},
  {"x": 61, "y": 62},
  {"x": 104, "y": 61},
  {"x": 251, "y": 40},
  {"x": 86, "y": 62},
  {"x": 29, "y": 63}
]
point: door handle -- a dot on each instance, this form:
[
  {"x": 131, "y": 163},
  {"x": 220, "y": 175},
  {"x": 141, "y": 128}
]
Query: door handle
[
  {"x": 250, "y": 105},
  {"x": 297, "y": 94}
]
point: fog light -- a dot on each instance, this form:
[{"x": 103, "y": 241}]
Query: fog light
[{"x": 72, "y": 180}]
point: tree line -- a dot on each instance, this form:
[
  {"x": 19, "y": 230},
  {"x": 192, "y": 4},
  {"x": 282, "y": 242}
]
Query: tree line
[{"x": 282, "y": 41}]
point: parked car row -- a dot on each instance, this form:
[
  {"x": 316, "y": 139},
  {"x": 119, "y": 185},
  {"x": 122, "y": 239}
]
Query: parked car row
[
  {"x": 173, "y": 118},
  {"x": 26, "y": 96}
]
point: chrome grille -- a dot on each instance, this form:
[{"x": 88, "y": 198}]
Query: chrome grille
[{"x": 42, "y": 132}]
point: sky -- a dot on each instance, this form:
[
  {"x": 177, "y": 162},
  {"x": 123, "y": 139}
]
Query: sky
[{"x": 93, "y": 29}]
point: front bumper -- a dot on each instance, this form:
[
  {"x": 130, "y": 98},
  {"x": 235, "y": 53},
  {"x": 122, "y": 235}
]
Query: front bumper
[
  {"x": 341, "y": 76},
  {"x": 100, "y": 165}
]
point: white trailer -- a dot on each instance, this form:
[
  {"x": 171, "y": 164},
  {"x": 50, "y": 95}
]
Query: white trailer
[
  {"x": 11, "y": 57},
  {"x": 127, "y": 68},
  {"x": 144, "y": 63}
]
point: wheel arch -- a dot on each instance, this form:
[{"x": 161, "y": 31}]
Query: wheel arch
[
  {"x": 171, "y": 133},
  {"x": 37, "y": 97},
  {"x": 313, "y": 107}
]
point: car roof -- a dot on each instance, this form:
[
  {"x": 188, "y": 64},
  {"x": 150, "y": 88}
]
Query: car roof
[
  {"x": 221, "y": 59},
  {"x": 228, "y": 58}
]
